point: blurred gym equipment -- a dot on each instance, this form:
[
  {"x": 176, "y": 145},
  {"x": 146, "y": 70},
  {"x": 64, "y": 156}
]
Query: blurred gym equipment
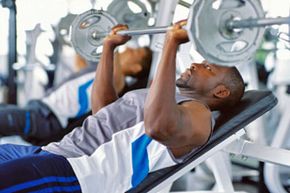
[
  {"x": 121, "y": 11},
  {"x": 12, "y": 57}
]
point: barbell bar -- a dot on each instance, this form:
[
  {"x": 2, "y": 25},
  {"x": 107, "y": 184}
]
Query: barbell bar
[
  {"x": 132, "y": 32},
  {"x": 261, "y": 22},
  {"x": 230, "y": 25}
]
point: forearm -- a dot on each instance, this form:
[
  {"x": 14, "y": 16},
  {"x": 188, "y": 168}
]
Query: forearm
[{"x": 103, "y": 91}]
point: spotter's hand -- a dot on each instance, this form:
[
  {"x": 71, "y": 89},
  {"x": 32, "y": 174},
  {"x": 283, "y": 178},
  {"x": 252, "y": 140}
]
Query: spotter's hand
[
  {"x": 114, "y": 39},
  {"x": 177, "y": 33}
]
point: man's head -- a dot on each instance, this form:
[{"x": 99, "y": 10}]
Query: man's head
[
  {"x": 135, "y": 61},
  {"x": 218, "y": 86}
]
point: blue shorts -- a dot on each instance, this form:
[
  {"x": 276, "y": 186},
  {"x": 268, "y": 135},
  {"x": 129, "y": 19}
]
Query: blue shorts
[
  {"x": 32, "y": 170},
  {"x": 10, "y": 152}
]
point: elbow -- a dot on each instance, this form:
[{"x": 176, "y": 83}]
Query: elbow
[
  {"x": 156, "y": 133},
  {"x": 158, "y": 124},
  {"x": 158, "y": 130}
]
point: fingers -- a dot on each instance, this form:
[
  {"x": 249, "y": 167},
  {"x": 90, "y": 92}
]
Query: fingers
[
  {"x": 180, "y": 24},
  {"x": 117, "y": 28},
  {"x": 114, "y": 39},
  {"x": 177, "y": 33}
]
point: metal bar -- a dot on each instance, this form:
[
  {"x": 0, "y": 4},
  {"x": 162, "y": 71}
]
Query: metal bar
[
  {"x": 155, "y": 30},
  {"x": 132, "y": 32},
  {"x": 260, "y": 22}
]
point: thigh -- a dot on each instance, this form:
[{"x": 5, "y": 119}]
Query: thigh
[
  {"x": 38, "y": 173},
  {"x": 10, "y": 152}
]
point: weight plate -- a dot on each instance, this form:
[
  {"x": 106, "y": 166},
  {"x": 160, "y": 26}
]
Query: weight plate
[
  {"x": 207, "y": 29},
  {"x": 120, "y": 10},
  {"x": 82, "y": 28}
]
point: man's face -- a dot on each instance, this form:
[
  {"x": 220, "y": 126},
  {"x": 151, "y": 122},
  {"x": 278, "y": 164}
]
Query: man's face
[{"x": 202, "y": 77}]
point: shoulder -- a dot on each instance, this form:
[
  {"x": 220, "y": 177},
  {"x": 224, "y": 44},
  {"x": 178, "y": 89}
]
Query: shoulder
[
  {"x": 196, "y": 106},
  {"x": 199, "y": 117}
]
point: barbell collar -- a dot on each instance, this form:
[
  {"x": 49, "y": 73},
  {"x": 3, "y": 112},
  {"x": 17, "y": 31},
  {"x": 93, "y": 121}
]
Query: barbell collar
[{"x": 260, "y": 22}]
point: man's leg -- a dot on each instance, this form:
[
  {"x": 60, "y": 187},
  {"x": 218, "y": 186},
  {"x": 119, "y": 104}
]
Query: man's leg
[
  {"x": 26, "y": 122},
  {"x": 38, "y": 173},
  {"x": 36, "y": 123},
  {"x": 10, "y": 152}
]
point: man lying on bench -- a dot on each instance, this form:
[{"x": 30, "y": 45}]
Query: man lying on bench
[{"x": 126, "y": 138}]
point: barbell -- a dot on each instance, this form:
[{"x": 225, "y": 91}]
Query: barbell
[{"x": 225, "y": 32}]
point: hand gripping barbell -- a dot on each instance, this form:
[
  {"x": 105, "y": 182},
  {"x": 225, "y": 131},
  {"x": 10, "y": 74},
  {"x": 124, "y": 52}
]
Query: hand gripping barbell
[{"x": 225, "y": 33}]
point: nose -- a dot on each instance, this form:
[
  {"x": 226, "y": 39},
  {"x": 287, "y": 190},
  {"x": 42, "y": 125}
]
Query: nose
[{"x": 193, "y": 66}]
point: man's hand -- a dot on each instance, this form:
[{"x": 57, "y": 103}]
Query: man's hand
[
  {"x": 113, "y": 39},
  {"x": 177, "y": 34}
]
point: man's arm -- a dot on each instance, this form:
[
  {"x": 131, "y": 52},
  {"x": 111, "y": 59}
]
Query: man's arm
[
  {"x": 180, "y": 127},
  {"x": 104, "y": 91}
]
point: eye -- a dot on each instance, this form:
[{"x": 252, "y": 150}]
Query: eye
[{"x": 208, "y": 67}]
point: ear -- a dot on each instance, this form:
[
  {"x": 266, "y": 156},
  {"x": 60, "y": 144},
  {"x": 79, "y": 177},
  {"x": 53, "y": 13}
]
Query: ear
[
  {"x": 221, "y": 91},
  {"x": 135, "y": 68}
]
